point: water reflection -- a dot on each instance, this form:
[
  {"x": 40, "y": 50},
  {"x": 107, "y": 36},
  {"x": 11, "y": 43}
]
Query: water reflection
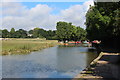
[
  {"x": 91, "y": 55},
  {"x": 69, "y": 58},
  {"x": 55, "y": 62}
]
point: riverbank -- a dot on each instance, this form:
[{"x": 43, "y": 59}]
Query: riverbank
[
  {"x": 105, "y": 67},
  {"x": 25, "y": 46}
]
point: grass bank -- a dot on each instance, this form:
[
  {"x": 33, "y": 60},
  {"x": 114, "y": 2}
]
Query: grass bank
[{"x": 25, "y": 46}]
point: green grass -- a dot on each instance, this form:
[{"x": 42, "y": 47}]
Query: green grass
[{"x": 23, "y": 46}]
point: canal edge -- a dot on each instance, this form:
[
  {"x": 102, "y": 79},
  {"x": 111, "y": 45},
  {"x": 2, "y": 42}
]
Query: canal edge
[{"x": 89, "y": 73}]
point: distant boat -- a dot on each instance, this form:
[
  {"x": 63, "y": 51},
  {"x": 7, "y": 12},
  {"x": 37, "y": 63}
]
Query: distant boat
[
  {"x": 77, "y": 42},
  {"x": 85, "y": 42},
  {"x": 66, "y": 44}
]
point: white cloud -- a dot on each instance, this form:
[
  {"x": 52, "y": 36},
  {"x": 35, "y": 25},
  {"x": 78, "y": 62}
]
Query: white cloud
[
  {"x": 18, "y": 16},
  {"x": 76, "y": 13},
  {"x": 87, "y": 4},
  {"x": 44, "y": 0},
  {"x": 9, "y": 0},
  {"x": 13, "y": 9}
]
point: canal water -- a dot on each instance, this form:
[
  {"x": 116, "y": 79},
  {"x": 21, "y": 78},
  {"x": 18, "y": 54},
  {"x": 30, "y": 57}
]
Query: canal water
[{"x": 54, "y": 62}]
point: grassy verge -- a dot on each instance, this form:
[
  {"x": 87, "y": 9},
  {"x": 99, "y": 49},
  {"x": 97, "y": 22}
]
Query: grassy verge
[{"x": 25, "y": 46}]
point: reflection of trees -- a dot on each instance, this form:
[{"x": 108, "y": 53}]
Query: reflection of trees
[
  {"x": 90, "y": 56},
  {"x": 67, "y": 59}
]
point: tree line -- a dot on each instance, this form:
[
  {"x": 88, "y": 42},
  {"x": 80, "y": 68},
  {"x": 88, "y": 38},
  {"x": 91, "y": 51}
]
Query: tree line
[
  {"x": 35, "y": 33},
  {"x": 65, "y": 31},
  {"x": 103, "y": 22}
]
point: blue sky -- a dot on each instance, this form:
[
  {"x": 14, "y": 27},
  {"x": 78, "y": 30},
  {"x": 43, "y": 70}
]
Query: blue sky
[{"x": 57, "y": 6}]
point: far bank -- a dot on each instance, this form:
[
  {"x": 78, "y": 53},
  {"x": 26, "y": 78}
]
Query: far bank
[{"x": 25, "y": 46}]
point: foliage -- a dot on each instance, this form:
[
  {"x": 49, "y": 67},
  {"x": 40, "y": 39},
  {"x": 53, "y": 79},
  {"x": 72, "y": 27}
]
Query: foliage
[
  {"x": 5, "y": 33},
  {"x": 35, "y": 33},
  {"x": 21, "y": 33},
  {"x": 0, "y": 33},
  {"x": 41, "y": 33},
  {"x": 64, "y": 30},
  {"x": 103, "y": 19},
  {"x": 80, "y": 34},
  {"x": 12, "y": 33},
  {"x": 51, "y": 35},
  {"x": 67, "y": 31},
  {"x": 30, "y": 31}
]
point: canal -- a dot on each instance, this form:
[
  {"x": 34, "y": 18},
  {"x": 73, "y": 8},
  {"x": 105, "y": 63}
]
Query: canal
[{"x": 54, "y": 62}]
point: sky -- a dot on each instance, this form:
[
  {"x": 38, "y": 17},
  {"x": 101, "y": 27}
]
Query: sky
[{"x": 28, "y": 15}]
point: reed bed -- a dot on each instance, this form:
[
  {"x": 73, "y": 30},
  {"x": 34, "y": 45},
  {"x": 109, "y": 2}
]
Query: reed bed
[{"x": 25, "y": 46}]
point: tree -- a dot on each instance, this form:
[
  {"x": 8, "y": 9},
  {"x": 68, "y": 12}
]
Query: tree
[
  {"x": 0, "y": 33},
  {"x": 42, "y": 32},
  {"x": 21, "y": 33},
  {"x": 51, "y": 34},
  {"x": 12, "y": 33},
  {"x": 30, "y": 31},
  {"x": 117, "y": 22},
  {"x": 103, "y": 19},
  {"x": 36, "y": 33},
  {"x": 80, "y": 34},
  {"x": 100, "y": 20},
  {"x": 5, "y": 33},
  {"x": 65, "y": 30}
]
